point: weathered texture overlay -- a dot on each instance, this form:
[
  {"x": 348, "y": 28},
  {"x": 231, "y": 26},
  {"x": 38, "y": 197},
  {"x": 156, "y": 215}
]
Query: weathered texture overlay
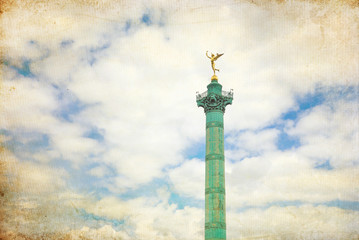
[{"x": 101, "y": 139}]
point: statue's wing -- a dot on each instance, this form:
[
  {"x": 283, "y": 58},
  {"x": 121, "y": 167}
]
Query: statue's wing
[{"x": 218, "y": 55}]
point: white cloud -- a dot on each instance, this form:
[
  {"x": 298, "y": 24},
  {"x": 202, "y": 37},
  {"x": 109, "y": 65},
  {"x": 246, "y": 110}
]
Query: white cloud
[
  {"x": 105, "y": 232},
  {"x": 32, "y": 194},
  {"x": 25, "y": 103},
  {"x": 148, "y": 218},
  {"x": 29, "y": 177},
  {"x": 99, "y": 171},
  {"x": 286, "y": 177},
  {"x": 329, "y": 133},
  {"x": 68, "y": 140},
  {"x": 249, "y": 142},
  {"x": 304, "y": 222},
  {"x": 188, "y": 179}
]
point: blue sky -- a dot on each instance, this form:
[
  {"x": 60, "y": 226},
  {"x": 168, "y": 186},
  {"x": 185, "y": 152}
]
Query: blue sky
[{"x": 101, "y": 135}]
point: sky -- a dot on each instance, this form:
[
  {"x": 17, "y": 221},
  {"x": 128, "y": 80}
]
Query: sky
[{"x": 101, "y": 137}]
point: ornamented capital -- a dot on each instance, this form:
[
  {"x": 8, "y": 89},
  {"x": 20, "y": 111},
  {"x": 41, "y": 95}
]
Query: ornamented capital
[{"x": 212, "y": 101}]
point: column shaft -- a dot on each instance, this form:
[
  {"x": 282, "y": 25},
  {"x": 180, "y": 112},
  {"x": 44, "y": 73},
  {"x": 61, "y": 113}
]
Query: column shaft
[{"x": 215, "y": 205}]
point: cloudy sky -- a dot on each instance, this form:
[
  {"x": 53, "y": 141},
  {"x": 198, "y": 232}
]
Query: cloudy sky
[{"x": 101, "y": 137}]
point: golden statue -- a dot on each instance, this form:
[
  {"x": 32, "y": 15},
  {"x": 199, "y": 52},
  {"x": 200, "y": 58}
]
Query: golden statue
[{"x": 214, "y": 58}]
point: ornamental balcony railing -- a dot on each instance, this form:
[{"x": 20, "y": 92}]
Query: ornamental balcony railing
[
  {"x": 202, "y": 95},
  {"x": 228, "y": 94}
]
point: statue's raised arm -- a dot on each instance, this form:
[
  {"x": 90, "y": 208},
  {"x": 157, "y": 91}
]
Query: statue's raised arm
[{"x": 207, "y": 55}]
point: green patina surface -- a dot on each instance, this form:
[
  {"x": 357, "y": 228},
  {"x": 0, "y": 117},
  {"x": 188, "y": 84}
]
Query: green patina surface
[{"x": 214, "y": 102}]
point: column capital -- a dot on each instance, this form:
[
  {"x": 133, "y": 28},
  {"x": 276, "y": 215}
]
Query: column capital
[{"x": 214, "y": 102}]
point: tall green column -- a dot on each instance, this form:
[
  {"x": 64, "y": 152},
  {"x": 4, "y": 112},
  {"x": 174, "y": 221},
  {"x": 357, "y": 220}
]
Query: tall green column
[{"x": 214, "y": 102}]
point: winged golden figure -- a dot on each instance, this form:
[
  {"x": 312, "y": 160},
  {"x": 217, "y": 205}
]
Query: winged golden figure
[{"x": 214, "y": 58}]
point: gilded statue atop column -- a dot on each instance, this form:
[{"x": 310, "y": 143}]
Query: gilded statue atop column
[{"x": 214, "y": 58}]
